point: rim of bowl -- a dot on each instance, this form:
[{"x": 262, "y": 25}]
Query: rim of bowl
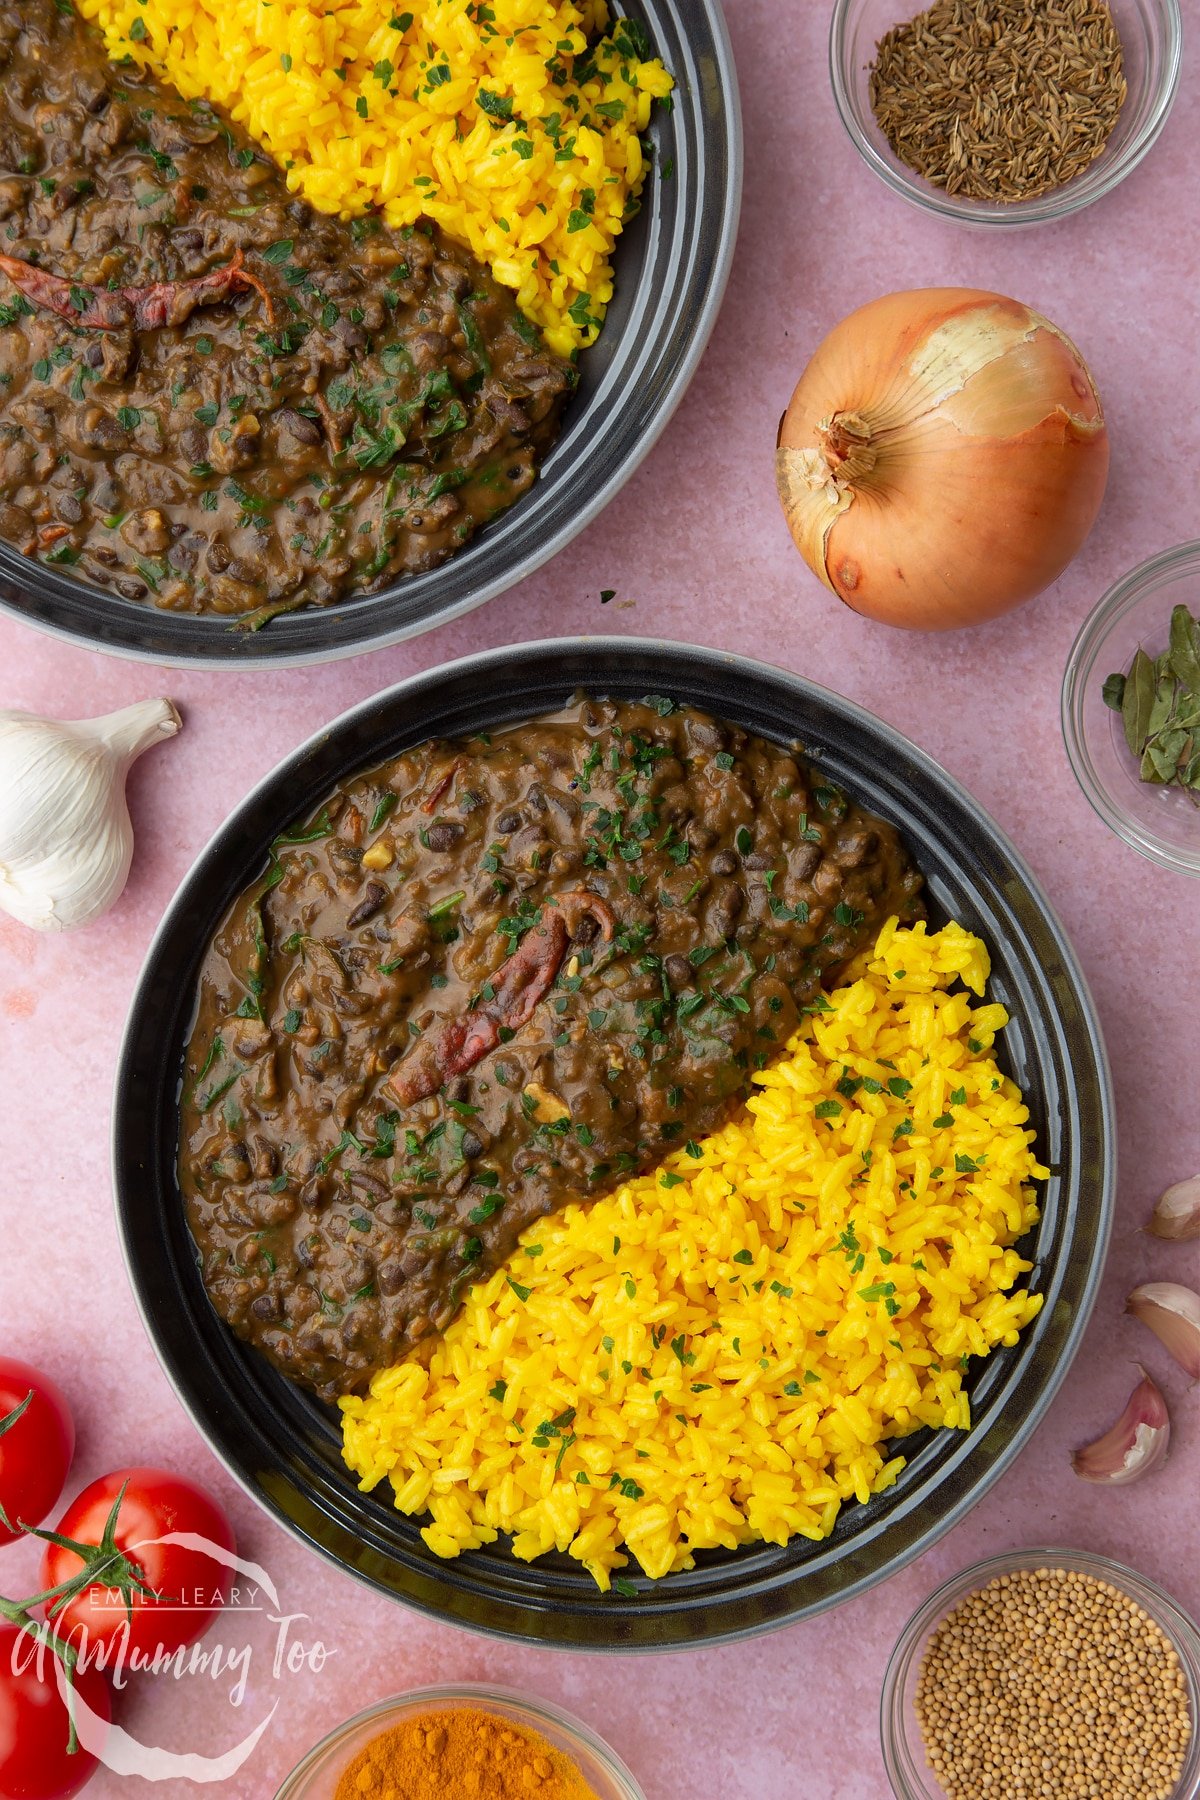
[
  {"x": 116, "y": 619},
  {"x": 473, "y": 1693},
  {"x": 915, "y": 1782},
  {"x": 1059, "y": 203},
  {"x": 1114, "y": 605},
  {"x": 740, "y": 675}
]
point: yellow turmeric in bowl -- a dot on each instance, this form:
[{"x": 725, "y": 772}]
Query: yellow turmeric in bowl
[{"x": 461, "y": 1754}]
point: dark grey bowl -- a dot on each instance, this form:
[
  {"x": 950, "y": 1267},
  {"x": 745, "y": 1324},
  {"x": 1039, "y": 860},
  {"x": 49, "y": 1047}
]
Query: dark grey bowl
[
  {"x": 671, "y": 269},
  {"x": 283, "y": 1447}
]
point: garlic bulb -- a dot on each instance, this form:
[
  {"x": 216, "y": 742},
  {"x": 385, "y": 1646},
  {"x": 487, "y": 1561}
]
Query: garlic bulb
[{"x": 66, "y": 841}]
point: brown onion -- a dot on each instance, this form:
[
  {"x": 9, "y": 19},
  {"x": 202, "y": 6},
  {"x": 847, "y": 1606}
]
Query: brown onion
[{"x": 943, "y": 457}]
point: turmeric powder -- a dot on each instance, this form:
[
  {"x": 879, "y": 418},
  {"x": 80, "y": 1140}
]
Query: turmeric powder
[{"x": 461, "y": 1754}]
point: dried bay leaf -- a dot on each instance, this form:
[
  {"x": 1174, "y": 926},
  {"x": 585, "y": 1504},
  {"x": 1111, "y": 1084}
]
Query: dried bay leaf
[
  {"x": 1163, "y": 703},
  {"x": 1172, "y": 745},
  {"x": 1138, "y": 701},
  {"x": 1114, "y": 691},
  {"x": 1185, "y": 648},
  {"x": 1159, "y": 703}
]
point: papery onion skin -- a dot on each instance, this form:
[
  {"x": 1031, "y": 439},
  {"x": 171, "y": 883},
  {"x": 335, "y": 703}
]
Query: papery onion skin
[{"x": 943, "y": 457}]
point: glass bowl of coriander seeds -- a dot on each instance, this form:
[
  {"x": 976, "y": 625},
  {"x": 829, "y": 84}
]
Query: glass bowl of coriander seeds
[
  {"x": 1044, "y": 1675},
  {"x": 1131, "y": 708},
  {"x": 1001, "y": 113}
]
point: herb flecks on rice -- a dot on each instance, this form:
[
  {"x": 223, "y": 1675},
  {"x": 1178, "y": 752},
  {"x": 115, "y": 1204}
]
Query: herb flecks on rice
[
  {"x": 515, "y": 125},
  {"x": 725, "y": 1351}
]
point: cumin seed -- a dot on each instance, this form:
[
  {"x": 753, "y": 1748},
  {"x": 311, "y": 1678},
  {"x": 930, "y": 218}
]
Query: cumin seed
[{"x": 998, "y": 99}]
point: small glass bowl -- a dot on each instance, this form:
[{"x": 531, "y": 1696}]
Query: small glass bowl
[
  {"x": 1162, "y": 822},
  {"x": 903, "y": 1748},
  {"x": 1151, "y": 33},
  {"x": 317, "y": 1775}
]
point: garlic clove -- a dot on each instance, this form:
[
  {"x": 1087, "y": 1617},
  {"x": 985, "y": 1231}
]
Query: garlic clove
[
  {"x": 1177, "y": 1214},
  {"x": 1135, "y": 1445},
  {"x": 66, "y": 841},
  {"x": 1173, "y": 1315}
]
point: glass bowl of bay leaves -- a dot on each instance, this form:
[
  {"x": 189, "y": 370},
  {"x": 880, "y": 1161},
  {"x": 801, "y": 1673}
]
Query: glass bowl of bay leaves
[{"x": 1131, "y": 708}]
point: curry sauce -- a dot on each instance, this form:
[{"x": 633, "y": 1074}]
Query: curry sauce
[
  {"x": 490, "y": 975},
  {"x": 216, "y": 400}
]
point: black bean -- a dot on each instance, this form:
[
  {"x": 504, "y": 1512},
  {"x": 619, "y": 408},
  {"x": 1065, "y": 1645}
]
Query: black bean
[
  {"x": 510, "y": 821},
  {"x": 373, "y": 898},
  {"x": 851, "y": 848},
  {"x": 471, "y": 1145},
  {"x": 443, "y": 834},
  {"x": 706, "y": 734},
  {"x": 265, "y": 1307},
  {"x": 129, "y": 589},
  {"x": 803, "y": 860},
  {"x": 725, "y": 909},
  {"x": 453, "y": 277},
  {"x": 679, "y": 971},
  {"x": 724, "y": 863},
  {"x": 587, "y": 930},
  {"x": 299, "y": 424}
]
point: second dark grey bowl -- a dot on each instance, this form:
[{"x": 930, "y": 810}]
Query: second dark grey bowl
[
  {"x": 284, "y": 1448},
  {"x": 671, "y": 268}
]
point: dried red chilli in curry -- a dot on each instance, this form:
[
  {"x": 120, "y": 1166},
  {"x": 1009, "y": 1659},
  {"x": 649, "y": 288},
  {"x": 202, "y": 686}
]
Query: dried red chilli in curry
[
  {"x": 423, "y": 1029},
  {"x": 137, "y": 308},
  {"x": 217, "y": 401}
]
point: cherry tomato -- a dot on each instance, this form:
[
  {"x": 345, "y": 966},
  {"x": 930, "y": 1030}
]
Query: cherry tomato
[
  {"x": 188, "y": 1586},
  {"x": 36, "y": 1445},
  {"x": 35, "y": 1763}
]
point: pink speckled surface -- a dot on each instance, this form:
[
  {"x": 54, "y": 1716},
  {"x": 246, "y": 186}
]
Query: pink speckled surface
[{"x": 696, "y": 550}]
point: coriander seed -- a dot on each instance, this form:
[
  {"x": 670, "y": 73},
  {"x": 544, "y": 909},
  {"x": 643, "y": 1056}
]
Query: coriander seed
[{"x": 1048, "y": 1684}]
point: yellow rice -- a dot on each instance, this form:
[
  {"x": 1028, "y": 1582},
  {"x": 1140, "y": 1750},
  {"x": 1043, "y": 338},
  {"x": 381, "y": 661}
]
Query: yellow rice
[
  {"x": 727, "y": 1350},
  {"x": 534, "y": 169}
]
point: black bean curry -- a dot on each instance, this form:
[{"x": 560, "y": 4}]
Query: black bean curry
[
  {"x": 215, "y": 400},
  {"x": 485, "y": 977}
]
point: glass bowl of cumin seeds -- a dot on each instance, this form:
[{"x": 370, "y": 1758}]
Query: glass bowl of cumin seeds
[
  {"x": 1044, "y": 1672},
  {"x": 998, "y": 113}
]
